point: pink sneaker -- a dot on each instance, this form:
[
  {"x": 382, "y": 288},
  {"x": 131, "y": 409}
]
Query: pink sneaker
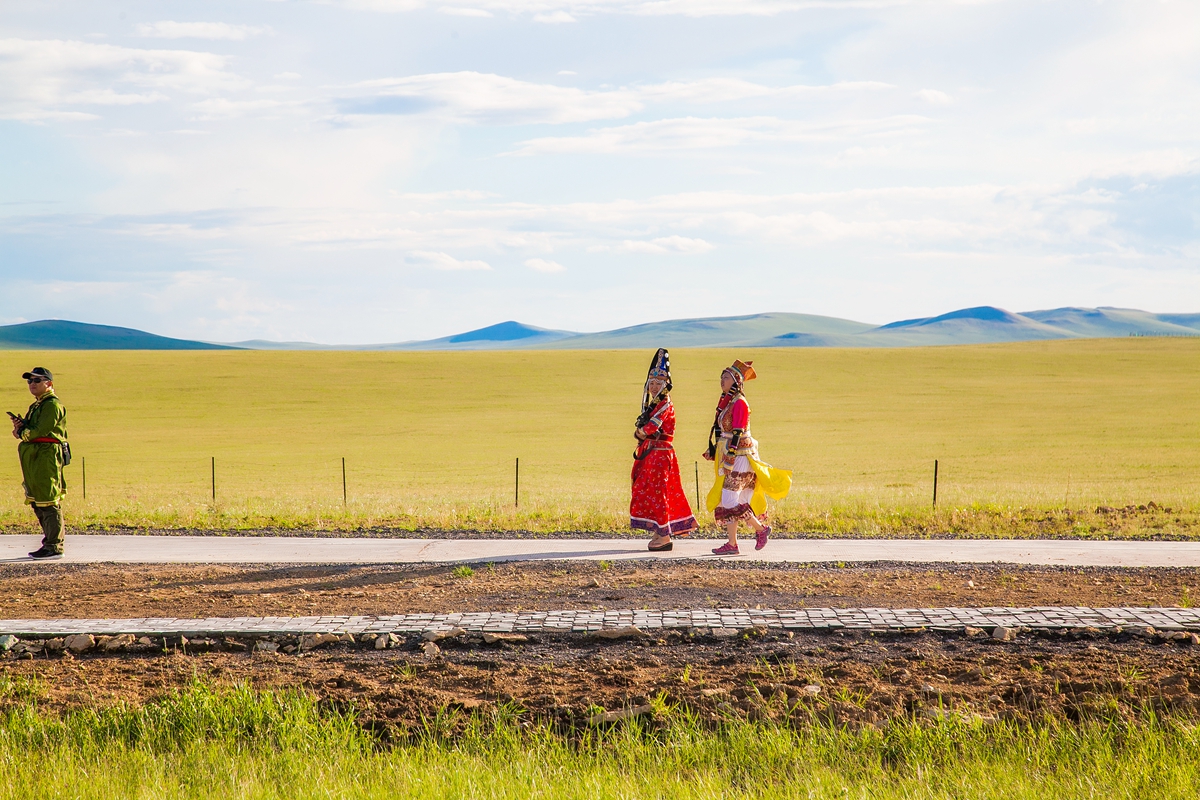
[
  {"x": 760, "y": 538},
  {"x": 726, "y": 549}
]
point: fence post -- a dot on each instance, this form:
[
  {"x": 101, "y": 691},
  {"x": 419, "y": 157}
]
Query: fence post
[
  {"x": 214, "y": 478},
  {"x": 517, "y": 485},
  {"x": 697, "y": 463},
  {"x": 935, "y": 471},
  {"x": 84, "y": 460},
  {"x": 343, "y": 480}
]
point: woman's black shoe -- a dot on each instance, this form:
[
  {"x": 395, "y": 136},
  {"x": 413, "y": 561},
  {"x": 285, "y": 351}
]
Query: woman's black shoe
[{"x": 661, "y": 548}]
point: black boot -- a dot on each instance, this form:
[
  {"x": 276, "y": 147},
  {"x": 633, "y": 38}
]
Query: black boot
[{"x": 51, "y": 521}]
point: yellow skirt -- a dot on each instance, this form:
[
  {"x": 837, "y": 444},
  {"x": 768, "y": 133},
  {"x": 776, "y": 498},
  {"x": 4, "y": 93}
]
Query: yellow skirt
[{"x": 768, "y": 482}]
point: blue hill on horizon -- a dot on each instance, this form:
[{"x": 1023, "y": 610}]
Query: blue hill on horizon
[
  {"x": 61, "y": 334},
  {"x": 977, "y": 325},
  {"x": 502, "y": 335},
  {"x": 990, "y": 325},
  {"x": 509, "y": 331}
]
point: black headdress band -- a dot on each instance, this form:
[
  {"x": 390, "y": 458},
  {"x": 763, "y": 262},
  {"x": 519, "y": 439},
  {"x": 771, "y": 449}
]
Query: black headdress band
[{"x": 660, "y": 368}]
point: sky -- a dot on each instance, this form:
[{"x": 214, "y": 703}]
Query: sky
[{"x": 358, "y": 171}]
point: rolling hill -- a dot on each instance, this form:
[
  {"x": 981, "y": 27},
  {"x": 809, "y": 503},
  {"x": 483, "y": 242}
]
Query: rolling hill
[
  {"x": 59, "y": 334},
  {"x": 978, "y": 325},
  {"x": 502, "y": 336},
  {"x": 1105, "y": 322},
  {"x": 744, "y": 331},
  {"x": 988, "y": 324}
]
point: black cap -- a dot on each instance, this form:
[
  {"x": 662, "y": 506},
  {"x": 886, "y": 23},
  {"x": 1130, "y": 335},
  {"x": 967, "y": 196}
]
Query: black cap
[{"x": 39, "y": 372}]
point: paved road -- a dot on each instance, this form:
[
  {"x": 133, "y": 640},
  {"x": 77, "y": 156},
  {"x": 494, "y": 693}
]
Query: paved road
[
  {"x": 297, "y": 550},
  {"x": 719, "y": 621}
]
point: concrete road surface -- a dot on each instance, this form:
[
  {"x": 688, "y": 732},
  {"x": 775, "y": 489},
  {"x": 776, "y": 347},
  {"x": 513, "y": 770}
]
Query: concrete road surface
[{"x": 311, "y": 550}]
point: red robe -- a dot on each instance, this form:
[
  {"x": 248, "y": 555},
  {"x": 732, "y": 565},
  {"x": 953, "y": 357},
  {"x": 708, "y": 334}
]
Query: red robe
[{"x": 659, "y": 504}]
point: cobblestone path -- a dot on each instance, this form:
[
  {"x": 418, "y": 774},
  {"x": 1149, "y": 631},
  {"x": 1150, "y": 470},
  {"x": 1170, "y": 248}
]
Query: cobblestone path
[{"x": 583, "y": 622}]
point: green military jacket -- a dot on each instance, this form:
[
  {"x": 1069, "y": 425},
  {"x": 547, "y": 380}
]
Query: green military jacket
[{"x": 42, "y": 462}]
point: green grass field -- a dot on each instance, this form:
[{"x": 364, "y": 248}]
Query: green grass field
[
  {"x": 237, "y": 743},
  {"x": 1021, "y": 431}
]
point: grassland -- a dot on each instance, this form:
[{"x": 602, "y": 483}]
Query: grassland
[
  {"x": 205, "y": 743},
  {"x": 1031, "y": 438}
]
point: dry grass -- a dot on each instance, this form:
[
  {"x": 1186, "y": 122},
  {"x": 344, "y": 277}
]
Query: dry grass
[{"x": 1021, "y": 432}]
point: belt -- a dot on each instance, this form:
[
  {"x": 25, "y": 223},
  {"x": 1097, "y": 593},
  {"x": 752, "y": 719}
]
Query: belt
[
  {"x": 46, "y": 440},
  {"x": 649, "y": 444}
]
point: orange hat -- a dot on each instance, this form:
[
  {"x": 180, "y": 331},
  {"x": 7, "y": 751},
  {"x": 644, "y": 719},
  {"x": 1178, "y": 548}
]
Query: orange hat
[{"x": 745, "y": 369}]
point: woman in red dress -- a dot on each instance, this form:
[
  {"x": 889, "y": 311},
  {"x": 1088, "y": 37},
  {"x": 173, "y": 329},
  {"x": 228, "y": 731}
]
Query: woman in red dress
[{"x": 658, "y": 503}]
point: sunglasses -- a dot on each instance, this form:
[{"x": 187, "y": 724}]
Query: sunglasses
[{"x": 35, "y": 380}]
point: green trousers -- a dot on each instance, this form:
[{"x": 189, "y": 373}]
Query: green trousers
[{"x": 52, "y": 526}]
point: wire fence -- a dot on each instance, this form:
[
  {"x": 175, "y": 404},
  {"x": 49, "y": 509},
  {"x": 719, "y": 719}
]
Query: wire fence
[{"x": 524, "y": 482}]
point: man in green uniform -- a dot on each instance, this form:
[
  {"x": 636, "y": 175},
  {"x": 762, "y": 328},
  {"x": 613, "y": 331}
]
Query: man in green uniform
[{"x": 43, "y": 434}]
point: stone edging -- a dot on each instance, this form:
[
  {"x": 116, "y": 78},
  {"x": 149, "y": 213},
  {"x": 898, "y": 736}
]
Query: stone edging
[{"x": 1046, "y": 618}]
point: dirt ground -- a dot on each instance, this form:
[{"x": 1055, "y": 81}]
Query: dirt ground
[
  {"x": 66, "y": 590},
  {"x": 845, "y": 677}
]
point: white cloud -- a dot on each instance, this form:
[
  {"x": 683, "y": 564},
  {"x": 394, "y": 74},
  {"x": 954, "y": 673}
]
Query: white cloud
[
  {"x": 934, "y": 96},
  {"x": 480, "y": 97},
  {"x": 223, "y": 107},
  {"x": 445, "y": 261},
  {"x": 490, "y": 98},
  {"x": 688, "y": 8},
  {"x": 876, "y": 249},
  {"x": 167, "y": 29},
  {"x": 554, "y": 17},
  {"x": 303, "y": 185},
  {"x": 723, "y": 90},
  {"x": 667, "y": 244},
  {"x": 451, "y": 194},
  {"x": 465, "y": 12},
  {"x": 41, "y": 115},
  {"x": 542, "y": 265},
  {"x": 694, "y": 133},
  {"x": 981, "y": 218},
  {"x": 984, "y": 218},
  {"x": 108, "y": 97},
  {"x": 39, "y": 78}
]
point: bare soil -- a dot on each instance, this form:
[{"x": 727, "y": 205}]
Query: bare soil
[
  {"x": 67, "y": 590},
  {"x": 859, "y": 679}
]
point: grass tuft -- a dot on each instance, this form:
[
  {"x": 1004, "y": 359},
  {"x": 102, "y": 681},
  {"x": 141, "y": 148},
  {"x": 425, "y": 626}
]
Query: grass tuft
[{"x": 238, "y": 743}]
